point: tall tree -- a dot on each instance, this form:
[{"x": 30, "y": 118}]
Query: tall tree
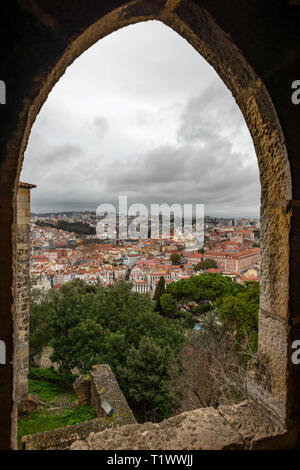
[
  {"x": 145, "y": 378},
  {"x": 175, "y": 258},
  {"x": 159, "y": 291}
]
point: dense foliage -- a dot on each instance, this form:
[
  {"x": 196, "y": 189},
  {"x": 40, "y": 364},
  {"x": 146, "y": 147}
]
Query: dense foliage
[
  {"x": 198, "y": 294},
  {"x": 94, "y": 325},
  {"x": 239, "y": 314},
  {"x": 159, "y": 291},
  {"x": 52, "y": 376},
  {"x": 206, "y": 264},
  {"x": 143, "y": 339},
  {"x": 80, "y": 228}
]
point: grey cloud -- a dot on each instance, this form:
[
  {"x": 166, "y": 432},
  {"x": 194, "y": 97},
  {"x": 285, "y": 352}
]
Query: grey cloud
[
  {"x": 100, "y": 125},
  {"x": 155, "y": 123}
]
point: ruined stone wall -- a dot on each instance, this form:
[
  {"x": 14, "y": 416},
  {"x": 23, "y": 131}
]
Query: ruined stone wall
[
  {"x": 100, "y": 385},
  {"x": 63, "y": 438},
  {"x": 104, "y": 387}
]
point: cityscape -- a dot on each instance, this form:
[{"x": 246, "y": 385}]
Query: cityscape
[{"x": 60, "y": 255}]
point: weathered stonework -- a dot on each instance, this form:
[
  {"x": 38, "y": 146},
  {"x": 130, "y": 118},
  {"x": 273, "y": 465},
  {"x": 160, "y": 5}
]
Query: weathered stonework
[
  {"x": 104, "y": 386},
  {"x": 93, "y": 389},
  {"x": 242, "y": 426},
  {"x": 254, "y": 47},
  {"x": 82, "y": 388},
  {"x": 22, "y": 290},
  {"x": 63, "y": 438}
]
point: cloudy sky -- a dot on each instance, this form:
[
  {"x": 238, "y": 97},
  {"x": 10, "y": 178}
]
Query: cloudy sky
[{"x": 142, "y": 114}]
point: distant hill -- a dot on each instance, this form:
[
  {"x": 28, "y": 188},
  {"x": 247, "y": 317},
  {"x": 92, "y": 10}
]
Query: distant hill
[{"x": 77, "y": 227}]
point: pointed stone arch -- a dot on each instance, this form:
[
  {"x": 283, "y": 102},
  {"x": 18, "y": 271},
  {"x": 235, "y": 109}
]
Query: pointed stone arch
[{"x": 219, "y": 38}]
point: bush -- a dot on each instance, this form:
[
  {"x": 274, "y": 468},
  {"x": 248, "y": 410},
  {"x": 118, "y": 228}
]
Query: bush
[{"x": 51, "y": 375}]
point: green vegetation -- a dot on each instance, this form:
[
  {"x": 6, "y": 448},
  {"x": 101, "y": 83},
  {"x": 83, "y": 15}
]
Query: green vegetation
[
  {"x": 45, "y": 390},
  {"x": 47, "y": 384},
  {"x": 102, "y": 325},
  {"x": 57, "y": 410},
  {"x": 146, "y": 377},
  {"x": 145, "y": 341},
  {"x": 79, "y": 228},
  {"x": 198, "y": 294},
  {"x": 175, "y": 258},
  {"x": 41, "y": 421},
  {"x": 159, "y": 291},
  {"x": 257, "y": 234},
  {"x": 239, "y": 315},
  {"x": 206, "y": 264}
]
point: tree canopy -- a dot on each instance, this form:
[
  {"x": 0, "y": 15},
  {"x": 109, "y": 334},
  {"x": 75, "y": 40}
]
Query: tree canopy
[
  {"x": 198, "y": 294},
  {"x": 140, "y": 337},
  {"x": 175, "y": 258},
  {"x": 87, "y": 325},
  {"x": 206, "y": 264}
]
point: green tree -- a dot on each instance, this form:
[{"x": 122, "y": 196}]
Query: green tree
[
  {"x": 257, "y": 234},
  {"x": 179, "y": 316},
  {"x": 239, "y": 314},
  {"x": 159, "y": 291},
  {"x": 39, "y": 333},
  {"x": 198, "y": 294},
  {"x": 145, "y": 378},
  {"x": 206, "y": 264},
  {"x": 175, "y": 258},
  {"x": 101, "y": 325}
]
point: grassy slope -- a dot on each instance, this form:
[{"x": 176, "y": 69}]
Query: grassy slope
[{"x": 55, "y": 395}]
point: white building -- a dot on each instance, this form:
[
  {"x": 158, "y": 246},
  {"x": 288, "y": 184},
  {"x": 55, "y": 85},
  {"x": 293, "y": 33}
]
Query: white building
[{"x": 141, "y": 287}]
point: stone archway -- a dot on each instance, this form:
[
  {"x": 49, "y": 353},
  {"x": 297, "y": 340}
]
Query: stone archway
[{"x": 271, "y": 381}]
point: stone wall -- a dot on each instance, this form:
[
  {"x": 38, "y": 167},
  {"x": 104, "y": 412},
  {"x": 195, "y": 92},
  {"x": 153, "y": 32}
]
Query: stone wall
[
  {"x": 243, "y": 426},
  {"x": 254, "y": 47},
  {"x": 93, "y": 389},
  {"x": 104, "y": 387},
  {"x": 44, "y": 358},
  {"x": 22, "y": 290},
  {"x": 63, "y": 438}
]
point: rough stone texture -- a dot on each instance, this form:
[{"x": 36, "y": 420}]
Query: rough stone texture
[
  {"x": 22, "y": 291},
  {"x": 267, "y": 378},
  {"x": 258, "y": 429},
  {"x": 93, "y": 389},
  {"x": 63, "y": 438},
  {"x": 104, "y": 386},
  {"x": 254, "y": 47},
  {"x": 198, "y": 429},
  {"x": 82, "y": 388},
  {"x": 243, "y": 426},
  {"x": 44, "y": 358},
  {"x": 30, "y": 404}
]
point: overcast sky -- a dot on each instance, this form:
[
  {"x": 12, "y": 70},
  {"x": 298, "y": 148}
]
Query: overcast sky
[{"x": 142, "y": 114}]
